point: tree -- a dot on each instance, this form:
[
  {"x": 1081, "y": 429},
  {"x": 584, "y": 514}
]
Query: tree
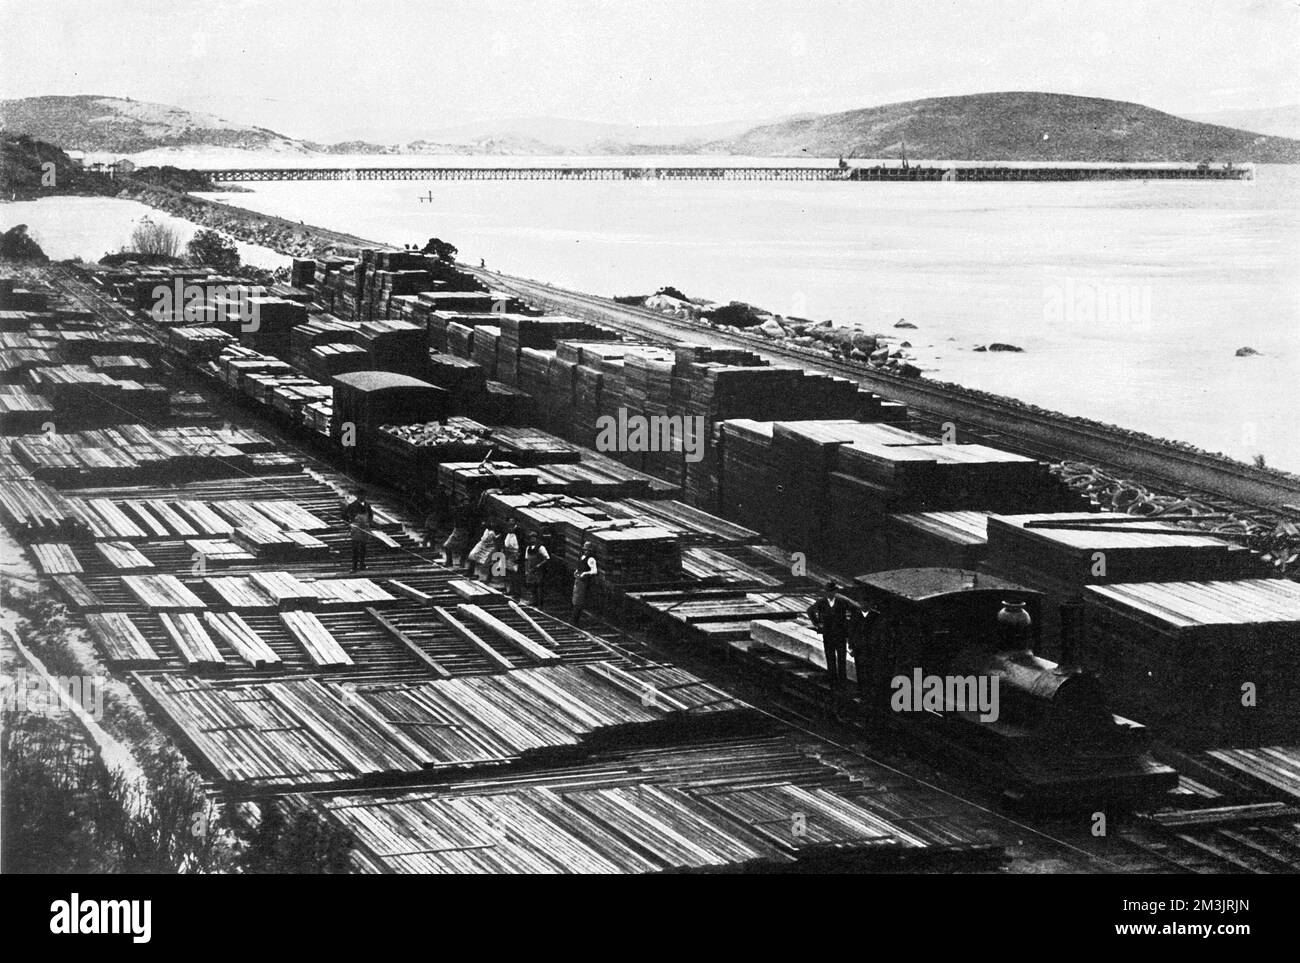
[
  {"x": 17, "y": 245},
  {"x": 209, "y": 247},
  {"x": 149, "y": 237},
  {"x": 440, "y": 249}
]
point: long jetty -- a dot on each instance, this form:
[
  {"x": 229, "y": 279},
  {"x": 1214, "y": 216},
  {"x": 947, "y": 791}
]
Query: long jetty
[{"x": 991, "y": 172}]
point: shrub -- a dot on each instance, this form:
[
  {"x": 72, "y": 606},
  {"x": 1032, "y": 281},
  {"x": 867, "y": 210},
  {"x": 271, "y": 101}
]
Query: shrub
[
  {"x": 442, "y": 250},
  {"x": 150, "y": 237},
  {"x": 209, "y": 247},
  {"x": 17, "y": 245}
]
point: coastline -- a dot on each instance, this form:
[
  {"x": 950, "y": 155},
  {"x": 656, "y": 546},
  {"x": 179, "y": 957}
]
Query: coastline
[{"x": 299, "y": 239}]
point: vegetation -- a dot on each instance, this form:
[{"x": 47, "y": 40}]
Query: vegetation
[
  {"x": 120, "y": 125},
  {"x": 17, "y": 245},
  {"x": 209, "y": 247},
  {"x": 442, "y": 250},
  {"x": 299, "y": 843},
  {"x": 30, "y": 168},
  {"x": 64, "y": 811},
  {"x": 151, "y": 238}
]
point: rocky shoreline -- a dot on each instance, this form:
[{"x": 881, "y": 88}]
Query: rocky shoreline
[
  {"x": 878, "y": 351},
  {"x": 842, "y": 342},
  {"x": 280, "y": 235}
]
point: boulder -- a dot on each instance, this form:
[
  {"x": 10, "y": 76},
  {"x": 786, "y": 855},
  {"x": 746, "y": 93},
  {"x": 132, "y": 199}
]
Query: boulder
[
  {"x": 1246, "y": 352},
  {"x": 864, "y": 342},
  {"x": 905, "y": 324},
  {"x": 1000, "y": 346}
]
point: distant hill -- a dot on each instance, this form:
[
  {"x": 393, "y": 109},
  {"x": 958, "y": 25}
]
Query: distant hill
[
  {"x": 996, "y": 127},
  {"x": 123, "y": 126},
  {"x": 1012, "y": 127},
  {"x": 1279, "y": 121}
]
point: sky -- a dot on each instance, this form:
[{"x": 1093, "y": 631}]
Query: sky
[{"x": 332, "y": 70}]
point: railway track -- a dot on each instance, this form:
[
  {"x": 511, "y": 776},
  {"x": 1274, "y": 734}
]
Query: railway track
[
  {"x": 1161, "y": 466},
  {"x": 1200, "y": 849}
]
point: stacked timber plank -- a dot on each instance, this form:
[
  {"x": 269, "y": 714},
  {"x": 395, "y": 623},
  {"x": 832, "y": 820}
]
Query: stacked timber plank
[
  {"x": 469, "y": 480},
  {"x": 274, "y": 544},
  {"x": 56, "y": 558},
  {"x": 393, "y": 346},
  {"x": 162, "y": 593},
  {"x": 23, "y": 409},
  {"x": 192, "y": 641},
  {"x": 795, "y": 638},
  {"x": 463, "y": 378},
  {"x": 528, "y": 447},
  {"x": 231, "y": 628},
  {"x": 1180, "y": 653},
  {"x": 199, "y": 343},
  {"x": 1277, "y": 767},
  {"x": 639, "y": 555},
  {"x": 129, "y": 453},
  {"x": 757, "y": 566},
  {"x": 321, "y": 646},
  {"x": 933, "y": 539},
  {"x": 1076, "y": 549},
  {"x": 120, "y": 640},
  {"x": 123, "y": 556},
  {"x": 325, "y": 361},
  {"x": 719, "y": 613},
  {"x": 351, "y": 592},
  {"x": 716, "y": 804},
  {"x": 483, "y": 352},
  {"x": 270, "y": 329},
  {"x": 307, "y": 732},
  {"x": 503, "y": 405},
  {"x": 218, "y": 551}
]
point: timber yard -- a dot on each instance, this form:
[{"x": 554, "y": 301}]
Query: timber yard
[{"x": 178, "y": 474}]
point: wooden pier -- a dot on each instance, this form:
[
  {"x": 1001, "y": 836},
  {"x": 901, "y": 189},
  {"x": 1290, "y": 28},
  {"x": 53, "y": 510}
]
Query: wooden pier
[{"x": 882, "y": 172}]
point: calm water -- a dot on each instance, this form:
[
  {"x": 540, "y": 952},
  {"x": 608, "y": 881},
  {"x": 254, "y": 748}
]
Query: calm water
[{"x": 1128, "y": 298}]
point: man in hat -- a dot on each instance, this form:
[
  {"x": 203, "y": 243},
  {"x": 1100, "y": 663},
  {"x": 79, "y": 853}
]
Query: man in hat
[
  {"x": 830, "y": 616},
  {"x": 360, "y": 518},
  {"x": 584, "y": 578}
]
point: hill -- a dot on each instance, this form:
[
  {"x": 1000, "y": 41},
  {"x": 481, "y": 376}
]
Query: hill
[
  {"x": 1280, "y": 121},
  {"x": 1017, "y": 126},
  {"x": 123, "y": 126}
]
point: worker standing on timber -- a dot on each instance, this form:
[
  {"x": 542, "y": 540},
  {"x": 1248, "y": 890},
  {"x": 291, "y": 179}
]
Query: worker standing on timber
[
  {"x": 360, "y": 518},
  {"x": 535, "y": 558},
  {"x": 584, "y": 578},
  {"x": 512, "y": 546},
  {"x": 830, "y": 616},
  {"x": 431, "y": 529},
  {"x": 481, "y": 555},
  {"x": 453, "y": 549},
  {"x": 862, "y": 621}
]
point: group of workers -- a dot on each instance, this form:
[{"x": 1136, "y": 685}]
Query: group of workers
[
  {"x": 499, "y": 550},
  {"x": 844, "y": 625}
]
